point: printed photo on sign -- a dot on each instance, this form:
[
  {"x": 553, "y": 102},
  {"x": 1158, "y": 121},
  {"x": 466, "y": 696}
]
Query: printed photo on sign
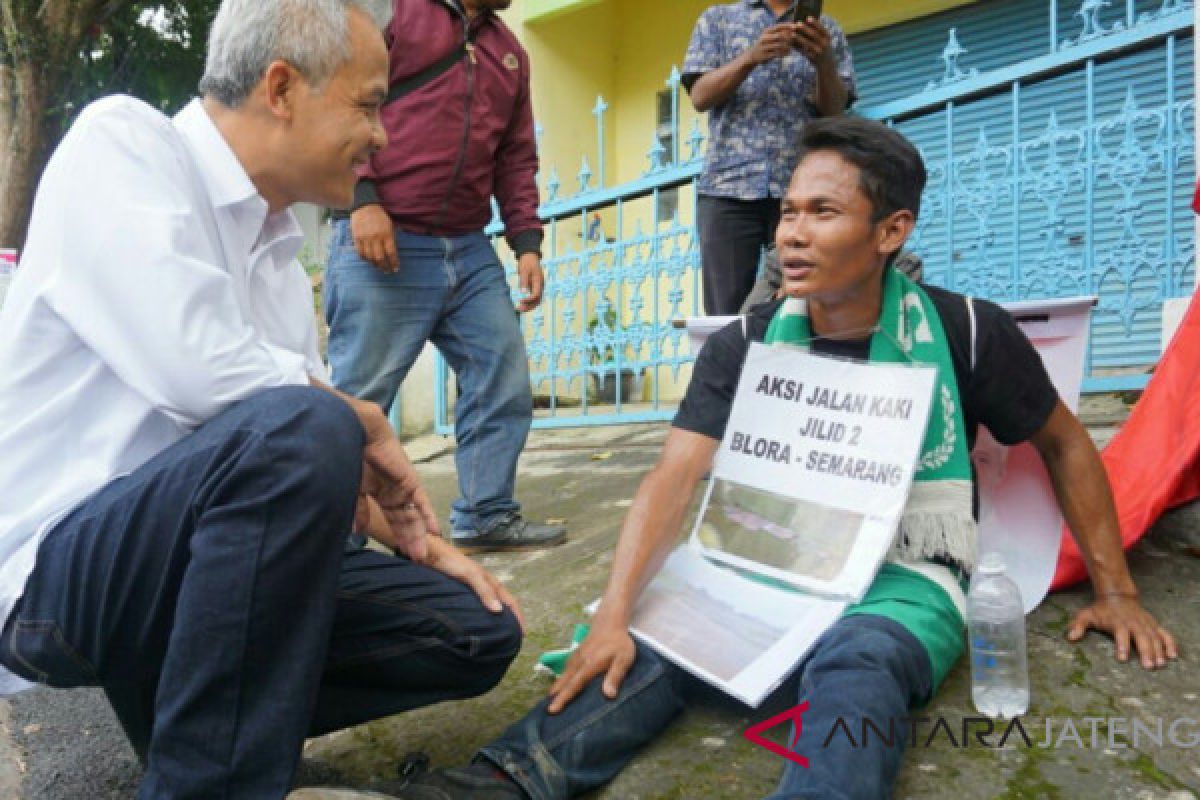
[
  {"x": 737, "y": 634},
  {"x": 729, "y": 640},
  {"x": 780, "y": 532}
]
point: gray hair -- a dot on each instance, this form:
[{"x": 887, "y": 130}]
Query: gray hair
[{"x": 311, "y": 35}]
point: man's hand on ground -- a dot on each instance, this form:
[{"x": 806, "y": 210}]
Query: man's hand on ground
[
  {"x": 374, "y": 237},
  {"x": 449, "y": 560},
  {"x": 1123, "y": 618},
  {"x": 608, "y": 650},
  {"x": 531, "y": 281}
]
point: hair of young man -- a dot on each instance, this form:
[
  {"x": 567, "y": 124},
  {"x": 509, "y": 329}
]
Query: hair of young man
[
  {"x": 891, "y": 172},
  {"x": 248, "y": 35}
]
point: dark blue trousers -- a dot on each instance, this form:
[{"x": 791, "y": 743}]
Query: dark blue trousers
[
  {"x": 865, "y": 666},
  {"x": 733, "y": 234},
  {"x": 212, "y": 595}
]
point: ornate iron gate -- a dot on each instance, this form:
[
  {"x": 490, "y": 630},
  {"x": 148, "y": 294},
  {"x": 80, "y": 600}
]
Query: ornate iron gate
[{"x": 1060, "y": 141}]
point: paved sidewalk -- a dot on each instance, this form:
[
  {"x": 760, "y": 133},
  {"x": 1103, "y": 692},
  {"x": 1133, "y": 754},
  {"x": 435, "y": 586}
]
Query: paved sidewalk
[{"x": 66, "y": 745}]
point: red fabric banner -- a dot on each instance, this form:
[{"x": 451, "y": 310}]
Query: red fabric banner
[{"x": 1153, "y": 462}]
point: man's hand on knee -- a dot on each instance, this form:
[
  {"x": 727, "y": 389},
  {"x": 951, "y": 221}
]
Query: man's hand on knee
[
  {"x": 608, "y": 650},
  {"x": 449, "y": 560}
]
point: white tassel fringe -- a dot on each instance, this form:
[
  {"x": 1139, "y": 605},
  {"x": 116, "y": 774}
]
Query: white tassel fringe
[{"x": 937, "y": 522}]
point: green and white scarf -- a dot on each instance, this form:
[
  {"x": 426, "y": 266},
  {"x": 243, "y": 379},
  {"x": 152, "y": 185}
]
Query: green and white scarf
[{"x": 937, "y": 519}]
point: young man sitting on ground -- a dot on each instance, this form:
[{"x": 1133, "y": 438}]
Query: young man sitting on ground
[{"x": 852, "y": 202}]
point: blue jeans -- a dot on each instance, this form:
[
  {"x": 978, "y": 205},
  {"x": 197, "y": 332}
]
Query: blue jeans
[
  {"x": 864, "y": 666},
  {"x": 212, "y": 595},
  {"x": 450, "y": 291}
]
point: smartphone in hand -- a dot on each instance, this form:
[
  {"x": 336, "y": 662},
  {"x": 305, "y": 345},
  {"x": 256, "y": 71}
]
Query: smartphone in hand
[{"x": 801, "y": 10}]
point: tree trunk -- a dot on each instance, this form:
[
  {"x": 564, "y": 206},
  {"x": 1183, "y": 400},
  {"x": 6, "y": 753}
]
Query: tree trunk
[
  {"x": 39, "y": 42},
  {"x": 23, "y": 129}
]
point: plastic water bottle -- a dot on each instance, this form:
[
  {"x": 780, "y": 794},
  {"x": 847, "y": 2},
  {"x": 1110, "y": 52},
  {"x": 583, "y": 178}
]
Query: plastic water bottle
[{"x": 996, "y": 627}]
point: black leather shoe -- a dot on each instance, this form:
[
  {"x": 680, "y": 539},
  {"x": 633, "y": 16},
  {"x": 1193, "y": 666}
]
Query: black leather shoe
[
  {"x": 513, "y": 533},
  {"x": 476, "y": 782}
]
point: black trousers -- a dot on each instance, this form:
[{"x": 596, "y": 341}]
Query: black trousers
[
  {"x": 212, "y": 595},
  {"x": 733, "y": 234}
]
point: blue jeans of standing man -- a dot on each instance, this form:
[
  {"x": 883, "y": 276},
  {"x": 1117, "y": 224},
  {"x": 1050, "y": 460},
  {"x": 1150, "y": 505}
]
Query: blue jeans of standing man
[
  {"x": 865, "y": 666},
  {"x": 450, "y": 291},
  {"x": 212, "y": 595}
]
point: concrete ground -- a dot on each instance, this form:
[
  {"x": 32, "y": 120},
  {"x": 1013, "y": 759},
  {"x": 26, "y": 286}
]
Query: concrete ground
[{"x": 65, "y": 744}]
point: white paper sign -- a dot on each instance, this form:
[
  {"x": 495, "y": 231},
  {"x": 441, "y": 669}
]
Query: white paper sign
[
  {"x": 1018, "y": 515},
  {"x": 740, "y": 636},
  {"x": 814, "y": 439}
]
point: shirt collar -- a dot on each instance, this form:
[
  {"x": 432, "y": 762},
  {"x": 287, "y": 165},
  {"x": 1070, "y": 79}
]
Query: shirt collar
[
  {"x": 228, "y": 186},
  {"x": 224, "y": 176}
]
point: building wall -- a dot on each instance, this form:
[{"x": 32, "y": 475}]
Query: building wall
[
  {"x": 574, "y": 60},
  {"x": 624, "y": 50}
]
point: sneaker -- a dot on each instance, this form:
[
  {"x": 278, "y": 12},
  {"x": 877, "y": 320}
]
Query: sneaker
[{"x": 514, "y": 533}]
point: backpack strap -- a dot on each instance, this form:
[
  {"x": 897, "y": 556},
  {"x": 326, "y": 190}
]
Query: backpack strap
[
  {"x": 971, "y": 317},
  {"x": 364, "y": 190},
  {"x": 430, "y": 73}
]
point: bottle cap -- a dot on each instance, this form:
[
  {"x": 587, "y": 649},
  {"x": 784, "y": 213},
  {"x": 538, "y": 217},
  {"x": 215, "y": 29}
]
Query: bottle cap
[{"x": 992, "y": 563}]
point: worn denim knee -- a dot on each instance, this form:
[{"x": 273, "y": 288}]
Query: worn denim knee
[
  {"x": 866, "y": 667},
  {"x": 553, "y": 757}
]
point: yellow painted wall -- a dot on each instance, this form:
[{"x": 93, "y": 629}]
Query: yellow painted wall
[{"x": 574, "y": 61}]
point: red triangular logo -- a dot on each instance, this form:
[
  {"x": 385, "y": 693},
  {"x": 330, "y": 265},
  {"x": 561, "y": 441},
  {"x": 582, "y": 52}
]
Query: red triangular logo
[{"x": 792, "y": 715}]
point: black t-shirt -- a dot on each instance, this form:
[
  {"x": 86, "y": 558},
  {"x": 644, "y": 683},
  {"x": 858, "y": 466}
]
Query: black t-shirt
[{"x": 1008, "y": 392}]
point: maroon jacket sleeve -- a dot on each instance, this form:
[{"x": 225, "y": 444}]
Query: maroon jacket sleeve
[{"x": 516, "y": 174}]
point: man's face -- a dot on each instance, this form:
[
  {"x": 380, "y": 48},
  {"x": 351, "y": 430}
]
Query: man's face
[
  {"x": 336, "y": 129},
  {"x": 830, "y": 251}
]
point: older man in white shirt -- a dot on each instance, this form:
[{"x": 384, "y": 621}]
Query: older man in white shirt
[{"x": 176, "y": 481}]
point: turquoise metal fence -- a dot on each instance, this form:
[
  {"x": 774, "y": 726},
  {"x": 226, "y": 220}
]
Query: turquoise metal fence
[
  {"x": 1060, "y": 141},
  {"x": 1068, "y": 172}
]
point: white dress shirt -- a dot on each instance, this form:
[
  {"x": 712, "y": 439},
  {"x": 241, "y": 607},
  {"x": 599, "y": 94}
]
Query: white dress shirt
[{"x": 154, "y": 291}]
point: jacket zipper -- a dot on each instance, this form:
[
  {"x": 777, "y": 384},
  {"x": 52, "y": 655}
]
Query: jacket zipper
[{"x": 466, "y": 137}]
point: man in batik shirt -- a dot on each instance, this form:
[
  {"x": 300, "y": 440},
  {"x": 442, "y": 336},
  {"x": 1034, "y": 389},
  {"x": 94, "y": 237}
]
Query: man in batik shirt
[{"x": 761, "y": 79}]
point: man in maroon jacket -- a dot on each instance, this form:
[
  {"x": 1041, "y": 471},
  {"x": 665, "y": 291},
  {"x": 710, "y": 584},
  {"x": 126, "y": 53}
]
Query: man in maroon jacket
[{"x": 411, "y": 264}]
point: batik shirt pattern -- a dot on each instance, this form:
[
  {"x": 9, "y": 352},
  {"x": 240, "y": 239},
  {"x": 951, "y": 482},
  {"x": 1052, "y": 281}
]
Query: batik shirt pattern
[{"x": 754, "y": 138}]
